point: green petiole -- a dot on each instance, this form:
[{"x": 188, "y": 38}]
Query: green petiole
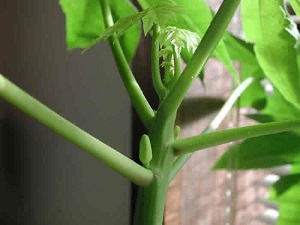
[
  {"x": 109, "y": 156},
  {"x": 155, "y": 70},
  {"x": 224, "y": 136},
  {"x": 135, "y": 93}
]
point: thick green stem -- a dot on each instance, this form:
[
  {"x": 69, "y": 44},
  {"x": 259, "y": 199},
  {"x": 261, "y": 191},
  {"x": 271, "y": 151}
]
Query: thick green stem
[
  {"x": 151, "y": 200},
  {"x": 151, "y": 203},
  {"x": 123, "y": 165},
  {"x": 135, "y": 93},
  {"x": 208, "y": 43},
  {"x": 156, "y": 77},
  {"x": 224, "y": 136},
  {"x": 214, "y": 124}
]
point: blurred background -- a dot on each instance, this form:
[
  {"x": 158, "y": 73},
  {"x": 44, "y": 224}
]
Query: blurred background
[{"x": 44, "y": 179}]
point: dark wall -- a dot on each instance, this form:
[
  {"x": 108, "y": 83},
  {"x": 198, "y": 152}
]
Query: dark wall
[{"x": 44, "y": 179}]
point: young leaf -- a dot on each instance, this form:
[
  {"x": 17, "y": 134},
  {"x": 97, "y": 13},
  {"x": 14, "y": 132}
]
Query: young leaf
[
  {"x": 191, "y": 20},
  {"x": 121, "y": 26},
  {"x": 157, "y": 14},
  {"x": 179, "y": 38},
  {"x": 269, "y": 27},
  {"x": 84, "y": 23},
  {"x": 160, "y": 14},
  {"x": 165, "y": 52}
]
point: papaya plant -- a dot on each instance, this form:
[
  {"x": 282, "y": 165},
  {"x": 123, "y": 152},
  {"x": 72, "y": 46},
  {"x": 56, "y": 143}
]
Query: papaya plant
[{"x": 189, "y": 30}]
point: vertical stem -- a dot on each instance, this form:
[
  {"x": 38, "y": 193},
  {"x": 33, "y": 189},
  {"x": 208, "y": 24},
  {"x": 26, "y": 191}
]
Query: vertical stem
[
  {"x": 150, "y": 203},
  {"x": 135, "y": 93},
  {"x": 151, "y": 199},
  {"x": 156, "y": 77}
]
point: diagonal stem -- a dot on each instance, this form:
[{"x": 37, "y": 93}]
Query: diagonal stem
[
  {"x": 207, "y": 45},
  {"x": 135, "y": 93},
  {"x": 109, "y": 156},
  {"x": 224, "y": 136}
]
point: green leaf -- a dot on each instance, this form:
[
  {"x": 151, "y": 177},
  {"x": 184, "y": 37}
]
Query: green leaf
[
  {"x": 285, "y": 192},
  {"x": 240, "y": 50},
  {"x": 254, "y": 96},
  {"x": 273, "y": 33},
  {"x": 84, "y": 23},
  {"x": 277, "y": 109},
  {"x": 295, "y": 169},
  {"x": 157, "y": 14},
  {"x": 121, "y": 26},
  {"x": 262, "y": 152},
  {"x": 196, "y": 17},
  {"x": 280, "y": 109},
  {"x": 296, "y": 6}
]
